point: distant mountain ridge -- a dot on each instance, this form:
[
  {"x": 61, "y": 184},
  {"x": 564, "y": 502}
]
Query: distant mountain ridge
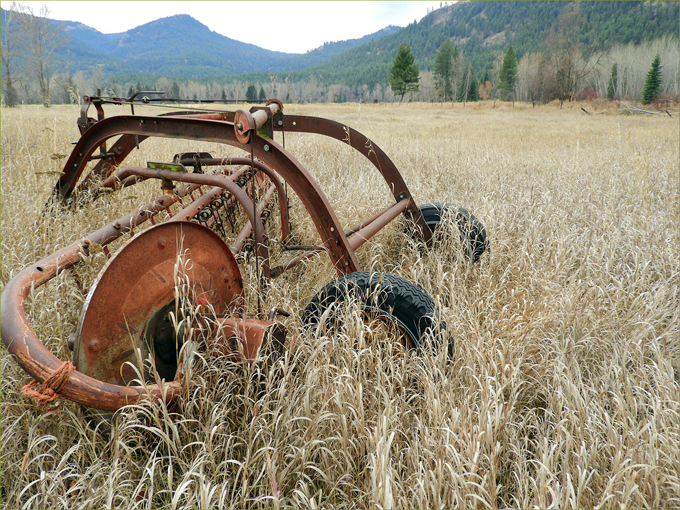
[
  {"x": 483, "y": 29},
  {"x": 199, "y": 53},
  {"x": 181, "y": 48}
]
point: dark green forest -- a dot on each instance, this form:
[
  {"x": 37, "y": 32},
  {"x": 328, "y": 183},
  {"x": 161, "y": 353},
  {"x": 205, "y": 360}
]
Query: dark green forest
[{"x": 473, "y": 27}]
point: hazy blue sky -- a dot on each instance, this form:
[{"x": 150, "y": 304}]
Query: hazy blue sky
[{"x": 291, "y": 27}]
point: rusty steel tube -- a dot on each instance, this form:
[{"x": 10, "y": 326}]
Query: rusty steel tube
[
  {"x": 247, "y": 122},
  {"x": 261, "y": 116},
  {"x": 32, "y": 355},
  {"x": 364, "y": 234},
  {"x": 240, "y": 240},
  {"x": 381, "y": 219},
  {"x": 195, "y": 207},
  {"x": 213, "y": 180}
]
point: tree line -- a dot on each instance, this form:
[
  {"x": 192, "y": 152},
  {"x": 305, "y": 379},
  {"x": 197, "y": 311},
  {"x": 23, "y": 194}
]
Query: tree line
[{"x": 561, "y": 70}]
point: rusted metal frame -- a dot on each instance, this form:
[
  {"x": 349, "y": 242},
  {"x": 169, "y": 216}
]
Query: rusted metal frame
[
  {"x": 32, "y": 355},
  {"x": 249, "y": 122},
  {"x": 120, "y": 149},
  {"x": 361, "y": 143},
  {"x": 283, "y": 198},
  {"x": 212, "y": 180},
  {"x": 194, "y": 208},
  {"x": 378, "y": 224},
  {"x": 259, "y": 165},
  {"x": 265, "y": 149},
  {"x": 314, "y": 200},
  {"x": 382, "y": 216},
  {"x": 197, "y": 205},
  {"x": 247, "y": 229},
  {"x": 80, "y": 157}
]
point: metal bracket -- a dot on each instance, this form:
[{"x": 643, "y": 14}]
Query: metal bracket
[
  {"x": 267, "y": 129},
  {"x": 167, "y": 184}
]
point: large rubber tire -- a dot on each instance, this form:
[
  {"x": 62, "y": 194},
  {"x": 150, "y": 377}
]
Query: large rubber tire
[
  {"x": 389, "y": 297},
  {"x": 472, "y": 232}
]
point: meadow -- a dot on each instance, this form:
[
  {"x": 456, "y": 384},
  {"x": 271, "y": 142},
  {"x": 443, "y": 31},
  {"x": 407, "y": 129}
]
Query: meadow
[{"x": 562, "y": 387}]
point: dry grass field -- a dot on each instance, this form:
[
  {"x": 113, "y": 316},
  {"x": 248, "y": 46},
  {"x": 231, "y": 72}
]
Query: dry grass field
[{"x": 562, "y": 391}]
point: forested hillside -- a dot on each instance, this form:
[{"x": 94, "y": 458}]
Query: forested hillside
[
  {"x": 482, "y": 29},
  {"x": 203, "y": 64}
]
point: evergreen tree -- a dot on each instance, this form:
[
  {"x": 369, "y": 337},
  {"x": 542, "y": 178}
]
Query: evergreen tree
[
  {"x": 251, "y": 94},
  {"x": 404, "y": 75},
  {"x": 508, "y": 75},
  {"x": 653, "y": 82},
  {"x": 263, "y": 96},
  {"x": 613, "y": 83},
  {"x": 174, "y": 90},
  {"x": 473, "y": 88},
  {"x": 443, "y": 69}
]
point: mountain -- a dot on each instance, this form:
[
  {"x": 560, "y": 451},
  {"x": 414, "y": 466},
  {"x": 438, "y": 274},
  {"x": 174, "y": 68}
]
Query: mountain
[
  {"x": 155, "y": 48},
  {"x": 484, "y": 29},
  {"x": 329, "y": 50},
  {"x": 481, "y": 30}
]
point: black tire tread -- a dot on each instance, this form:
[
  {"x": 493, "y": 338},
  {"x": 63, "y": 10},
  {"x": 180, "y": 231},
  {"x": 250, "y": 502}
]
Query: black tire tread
[
  {"x": 472, "y": 230},
  {"x": 398, "y": 299}
]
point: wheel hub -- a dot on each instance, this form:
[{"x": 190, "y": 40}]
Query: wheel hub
[{"x": 126, "y": 313}]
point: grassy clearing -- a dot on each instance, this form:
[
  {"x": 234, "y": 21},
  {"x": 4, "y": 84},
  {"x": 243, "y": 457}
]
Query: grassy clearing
[{"x": 563, "y": 389}]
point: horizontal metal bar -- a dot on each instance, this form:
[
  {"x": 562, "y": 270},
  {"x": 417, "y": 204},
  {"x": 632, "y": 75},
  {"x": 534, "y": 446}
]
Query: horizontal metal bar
[
  {"x": 379, "y": 220},
  {"x": 378, "y": 224}
]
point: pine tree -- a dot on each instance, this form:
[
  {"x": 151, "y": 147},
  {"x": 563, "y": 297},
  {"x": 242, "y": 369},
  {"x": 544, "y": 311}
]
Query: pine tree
[
  {"x": 613, "y": 83},
  {"x": 473, "y": 88},
  {"x": 508, "y": 75},
  {"x": 443, "y": 69},
  {"x": 251, "y": 94},
  {"x": 404, "y": 75},
  {"x": 263, "y": 96},
  {"x": 174, "y": 90},
  {"x": 653, "y": 82}
]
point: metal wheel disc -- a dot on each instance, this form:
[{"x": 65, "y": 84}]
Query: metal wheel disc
[{"x": 136, "y": 289}]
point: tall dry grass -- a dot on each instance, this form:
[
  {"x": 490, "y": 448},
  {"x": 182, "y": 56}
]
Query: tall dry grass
[{"x": 563, "y": 386}]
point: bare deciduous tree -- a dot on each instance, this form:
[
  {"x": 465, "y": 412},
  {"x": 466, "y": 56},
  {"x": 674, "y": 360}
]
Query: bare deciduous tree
[
  {"x": 565, "y": 55},
  {"x": 9, "y": 52},
  {"x": 41, "y": 38}
]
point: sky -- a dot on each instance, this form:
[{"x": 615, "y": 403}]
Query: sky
[{"x": 287, "y": 26}]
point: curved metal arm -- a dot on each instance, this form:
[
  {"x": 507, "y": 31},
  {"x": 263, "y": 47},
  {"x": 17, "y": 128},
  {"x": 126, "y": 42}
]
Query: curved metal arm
[
  {"x": 212, "y": 180},
  {"x": 267, "y": 150},
  {"x": 32, "y": 355},
  {"x": 364, "y": 145}
]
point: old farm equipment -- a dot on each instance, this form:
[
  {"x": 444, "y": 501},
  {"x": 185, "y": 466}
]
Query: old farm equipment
[{"x": 127, "y": 314}]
